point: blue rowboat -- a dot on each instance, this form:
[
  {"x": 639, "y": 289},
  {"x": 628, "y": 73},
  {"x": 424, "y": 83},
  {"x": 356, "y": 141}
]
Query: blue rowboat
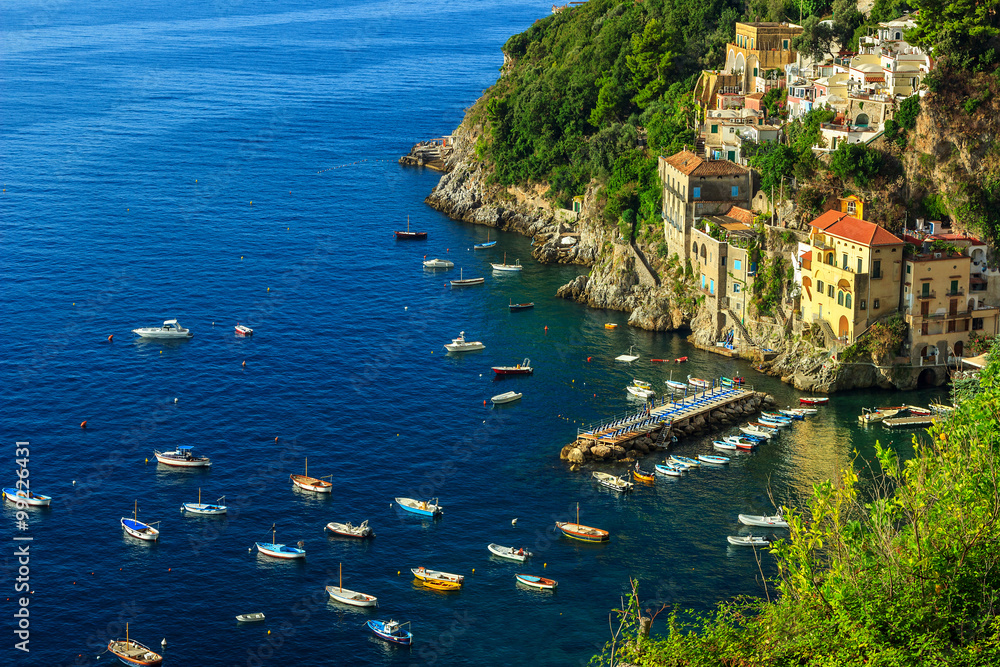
[
  {"x": 792, "y": 414},
  {"x": 391, "y": 631},
  {"x": 26, "y": 497},
  {"x": 712, "y": 458},
  {"x": 771, "y": 423},
  {"x": 204, "y": 508},
  {"x": 721, "y": 444},
  {"x": 684, "y": 460},
  {"x": 536, "y": 582},
  {"x": 279, "y": 550},
  {"x": 430, "y": 507},
  {"x": 669, "y": 470}
]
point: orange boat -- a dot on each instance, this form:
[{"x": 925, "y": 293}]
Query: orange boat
[
  {"x": 133, "y": 653},
  {"x": 311, "y": 483}
]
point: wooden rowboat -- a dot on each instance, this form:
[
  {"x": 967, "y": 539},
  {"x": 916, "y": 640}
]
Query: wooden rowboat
[
  {"x": 440, "y": 585},
  {"x": 423, "y": 574},
  {"x": 643, "y": 476},
  {"x": 580, "y": 532},
  {"x": 139, "y": 529},
  {"x": 132, "y": 652},
  {"x": 711, "y": 458},
  {"x": 353, "y": 598},
  {"x": 814, "y": 400},
  {"x": 16, "y": 495},
  {"x": 312, "y": 483},
  {"x": 536, "y": 582},
  {"x": 669, "y": 470}
]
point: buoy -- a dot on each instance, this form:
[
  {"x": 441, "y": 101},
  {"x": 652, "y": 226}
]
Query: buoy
[
  {"x": 473, "y": 569},
  {"x": 169, "y": 568},
  {"x": 513, "y": 522},
  {"x": 111, "y": 337},
  {"x": 268, "y": 632},
  {"x": 406, "y": 307},
  {"x": 546, "y": 327},
  {"x": 175, "y": 400},
  {"x": 74, "y": 482},
  {"x": 276, "y": 438},
  {"x": 164, "y": 642},
  {"x": 397, "y": 573},
  {"x": 244, "y": 364},
  {"x": 147, "y": 460},
  {"x": 161, "y": 351},
  {"x": 545, "y": 564},
  {"x": 268, "y": 289},
  {"x": 83, "y": 424},
  {"x": 484, "y": 401},
  {"x": 589, "y": 358}
]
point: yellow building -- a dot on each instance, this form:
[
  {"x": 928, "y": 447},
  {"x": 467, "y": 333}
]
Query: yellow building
[
  {"x": 759, "y": 47},
  {"x": 939, "y": 306},
  {"x": 851, "y": 276}
]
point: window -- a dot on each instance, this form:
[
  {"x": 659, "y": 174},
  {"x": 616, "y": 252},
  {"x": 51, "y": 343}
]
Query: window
[
  {"x": 925, "y": 289},
  {"x": 908, "y": 267},
  {"x": 715, "y": 129},
  {"x": 924, "y": 329},
  {"x": 737, "y": 264},
  {"x": 877, "y": 270},
  {"x": 736, "y": 288},
  {"x": 874, "y": 304},
  {"x": 735, "y": 190},
  {"x": 722, "y": 261},
  {"x": 847, "y": 300},
  {"x": 861, "y": 267},
  {"x": 703, "y": 281},
  {"x": 851, "y": 208},
  {"x": 954, "y": 287},
  {"x": 977, "y": 323},
  {"x": 711, "y": 286},
  {"x": 829, "y": 291},
  {"x": 840, "y": 298},
  {"x": 862, "y": 305},
  {"x": 819, "y": 286},
  {"x": 784, "y": 44},
  {"x": 951, "y": 326},
  {"x": 844, "y": 256},
  {"x": 696, "y": 192}
]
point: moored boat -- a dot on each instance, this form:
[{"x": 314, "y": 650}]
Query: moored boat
[
  {"x": 459, "y": 344},
  {"x": 731, "y": 382},
  {"x": 408, "y": 235},
  {"x": 204, "y": 508},
  {"x": 516, "y": 266},
  {"x": 252, "y": 617},
  {"x": 814, "y": 400},
  {"x": 182, "y": 457},
  {"x": 640, "y": 475},
  {"x": 169, "y": 329},
  {"x": 610, "y": 325},
  {"x": 15, "y": 495},
  {"x": 668, "y": 470},
  {"x": 346, "y": 596},
  {"x": 523, "y": 368},
  {"x": 140, "y": 529},
  {"x": 316, "y": 484},
  {"x": 514, "y": 307},
  {"x": 438, "y": 263},
  {"x": 640, "y": 392},
  {"x": 509, "y": 553},
  {"x": 756, "y": 432},
  {"x": 466, "y": 282},
  {"x": 698, "y": 382},
  {"x": 422, "y": 507},
  {"x": 487, "y": 244},
  {"x": 536, "y": 582},
  {"x": 243, "y": 330},
  {"x": 740, "y": 443},
  {"x": 580, "y": 532},
  {"x": 683, "y": 460},
  {"x": 424, "y": 574},
  {"x": 722, "y": 444},
  {"x": 391, "y": 631},
  {"x": 612, "y": 482},
  {"x": 133, "y": 653},
  {"x": 794, "y": 414},
  {"x": 747, "y": 541},
  {"x": 776, "y": 521},
  {"x": 680, "y": 360},
  {"x": 279, "y": 550},
  {"x": 711, "y": 458},
  {"x": 350, "y": 530},
  {"x": 506, "y": 397},
  {"x": 679, "y": 386}
]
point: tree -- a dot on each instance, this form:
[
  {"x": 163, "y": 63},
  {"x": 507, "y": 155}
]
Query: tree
[
  {"x": 815, "y": 40},
  {"x": 650, "y": 62},
  {"x": 961, "y": 30},
  {"x": 846, "y": 20},
  {"x": 856, "y": 162},
  {"x": 774, "y": 162}
]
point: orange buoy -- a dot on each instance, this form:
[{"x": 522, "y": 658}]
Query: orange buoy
[
  {"x": 484, "y": 401},
  {"x": 589, "y": 358},
  {"x": 111, "y": 337},
  {"x": 83, "y": 424},
  {"x": 546, "y": 327},
  {"x": 244, "y": 364},
  {"x": 276, "y": 438}
]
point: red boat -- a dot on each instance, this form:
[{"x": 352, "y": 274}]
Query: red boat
[
  {"x": 657, "y": 361},
  {"x": 814, "y": 400},
  {"x": 680, "y": 360},
  {"x": 410, "y": 235},
  {"x": 523, "y": 368}
]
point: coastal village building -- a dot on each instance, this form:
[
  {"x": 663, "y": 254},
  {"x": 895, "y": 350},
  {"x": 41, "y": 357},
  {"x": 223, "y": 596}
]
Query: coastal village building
[
  {"x": 694, "y": 187},
  {"x": 720, "y": 256},
  {"x": 760, "y": 47},
  {"x": 851, "y": 276}
]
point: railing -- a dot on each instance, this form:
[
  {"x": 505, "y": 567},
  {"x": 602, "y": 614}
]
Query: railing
[
  {"x": 958, "y": 292},
  {"x": 926, "y": 295}
]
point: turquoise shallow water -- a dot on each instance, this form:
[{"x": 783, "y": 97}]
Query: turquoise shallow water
[{"x": 235, "y": 161}]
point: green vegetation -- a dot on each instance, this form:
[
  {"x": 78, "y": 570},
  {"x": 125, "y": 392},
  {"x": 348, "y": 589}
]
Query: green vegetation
[
  {"x": 963, "y": 31},
  {"x": 769, "y": 284},
  {"x": 880, "y": 343},
  {"x": 856, "y": 163},
  {"x": 905, "y": 120},
  {"x": 899, "y": 569}
]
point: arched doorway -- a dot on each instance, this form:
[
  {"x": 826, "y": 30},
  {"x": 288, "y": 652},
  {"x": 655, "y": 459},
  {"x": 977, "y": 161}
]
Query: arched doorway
[
  {"x": 844, "y": 327},
  {"x": 927, "y": 378},
  {"x": 861, "y": 120},
  {"x": 959, "y": 348}
]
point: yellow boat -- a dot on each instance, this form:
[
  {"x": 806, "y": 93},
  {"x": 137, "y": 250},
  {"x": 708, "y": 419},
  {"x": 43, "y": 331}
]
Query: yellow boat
[
  {"x": 439, "y": 585},
  {"x": 610, "y": 325},
  {"x": 645, "y": 477}
]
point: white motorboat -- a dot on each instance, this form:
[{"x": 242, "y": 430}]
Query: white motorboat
[
  {"x": 439, "y": 264},
  {"x": 243, "y": 330},
  {"x": 252, "y": 617},
  {"x": 182, "y": 457},
  {"x": 505, "y": 266},
  {"x": 509, "y": 553},
  {"x": 461, "y": 345},
  {"x": 640, "y": 392},
  {"x": 506, "y": 397},
  {"x": 612, "y": 482},
  {"x": 350, "y": 530},
  {"x": 756, "y": 432},
  {"x": 170, "y": 329},
  {"x": 747, "y": 541},
  {"x": 776, "y": 521}
]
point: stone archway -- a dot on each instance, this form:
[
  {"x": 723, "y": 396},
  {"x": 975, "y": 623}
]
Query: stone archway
[
  {"x": 861, "y": 120},
  {"x": 927, "y": 378}
]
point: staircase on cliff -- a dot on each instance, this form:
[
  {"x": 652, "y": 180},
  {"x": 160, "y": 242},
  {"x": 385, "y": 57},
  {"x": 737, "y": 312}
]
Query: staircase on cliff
[
  {"x": 743, "y": 331},
  {"x": 649, "y": 273}
]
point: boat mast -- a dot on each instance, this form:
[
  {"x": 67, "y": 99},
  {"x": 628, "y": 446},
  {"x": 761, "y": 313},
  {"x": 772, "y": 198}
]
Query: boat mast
[
  {"x": 307, "y": 467},
  {"x": 578, "y": 514},
  {"x": 342, "y": 578}
]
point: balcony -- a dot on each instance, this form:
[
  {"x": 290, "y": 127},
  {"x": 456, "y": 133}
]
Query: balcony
[
  {"x": 927, "y": 295},
  {"x": 958, "y": 292}
]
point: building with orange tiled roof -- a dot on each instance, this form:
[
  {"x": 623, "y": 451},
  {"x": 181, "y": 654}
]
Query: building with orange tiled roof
[{"x": 854, "y": 274}]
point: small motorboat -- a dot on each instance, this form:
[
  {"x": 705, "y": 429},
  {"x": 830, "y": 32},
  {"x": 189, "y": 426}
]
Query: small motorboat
[
  {"x": 756, "y": 432},
  {"x": 740, "y": 443},
  {"x": 438, "y": 264},
  {"x": 669, "y": 470},
  {"x": 642, "y": 384},
  {"x": 132, "y": 652},
  {"x": 423, "y": 574},
  {"x": 680, "y": 360},
  {"x": 814, "y": 400},
  {"x": 766, "y": 428},
  {"x": 509, "y": 553},
  {"x": 523, "y": 368},
  {"x": 182, "y": 457},
  {"x": 350, "y": 530},
  {"x": 243, "y": 330},
  {"x": 776, "y": 521},
  {"x": 139, "y": 529},
  {"x": 461, "y": 345},
  {"x": 873, "y": 415},
  {"x": 678, "y": 386},
  {"x": 747, "y": 541},
  {"x": 308, "y": 483},
  {"x": 169, "y": 329},
  {"x": 712, "y": 458},
  {"x": 722, "y": 444},
  {"x": 353, "y": 598},
  {"x": 391, "y": 631},
  {"x": 514, "y": 307},
  {"x": 279, "y": 550},
  {"x": 408, "y": 235},
  {"x": 506, "y": 397},
  {"x": 580, "y": 532},
  {"x": 466, "y": 282},
  {"x": 642, "y": 476},
  {"x": 252, "y": 617},
  {"x": 640, "y": 392},
  {"x": 612, "y": 482},
  {"x": 487, "y": 244},
  {"x": 423, "y": 507},
  {"x": 698, "y": 382},
  {"x": 516, "y": 266},
  {"x": 805, "y": 411},
  {"x": 674, "y": 458},
  {"x": 204, "y": 508},
  {"x": 536, "y": 582},
  {"x": 26, "y": 497},
  {"x": 610, "y": 325}
]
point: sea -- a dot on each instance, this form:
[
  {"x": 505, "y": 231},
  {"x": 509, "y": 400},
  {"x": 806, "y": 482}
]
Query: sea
[{"x": 229, "y": 162}]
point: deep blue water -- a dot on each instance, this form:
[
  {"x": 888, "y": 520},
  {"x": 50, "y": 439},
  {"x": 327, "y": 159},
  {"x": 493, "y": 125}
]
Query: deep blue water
[{"x": 236, "y": 161}]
